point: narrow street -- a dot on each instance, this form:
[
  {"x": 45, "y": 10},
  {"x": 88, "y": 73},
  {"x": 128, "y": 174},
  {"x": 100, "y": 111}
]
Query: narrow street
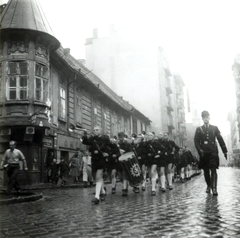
[{"x": 186, "y": 211}]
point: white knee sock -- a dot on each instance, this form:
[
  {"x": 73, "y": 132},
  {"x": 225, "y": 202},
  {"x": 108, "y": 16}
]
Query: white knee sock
[
  {"x": 163, "y": 181},
  {"x": 98, "y": 189},
  {"x": 125, "y": 184},
  {"x": 102, "y": 188},
  {"x": 154, "y": 183},
  {"x": 113, "y": 182},
  {"x": 169, "y": 179}
]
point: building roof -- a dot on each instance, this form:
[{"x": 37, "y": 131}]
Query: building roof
[
  {"x": 26, "y": 15},
  {"x": 78, "y": 67}
]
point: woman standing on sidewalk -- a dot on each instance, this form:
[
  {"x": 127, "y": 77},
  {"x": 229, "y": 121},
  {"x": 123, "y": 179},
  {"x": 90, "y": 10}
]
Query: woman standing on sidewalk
[
  {"x": 75, "y": 166},
  {"x": 87, "y": 169}
]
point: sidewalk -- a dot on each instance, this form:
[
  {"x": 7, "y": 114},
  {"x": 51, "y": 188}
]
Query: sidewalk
[{"x": 30, "y": 192}]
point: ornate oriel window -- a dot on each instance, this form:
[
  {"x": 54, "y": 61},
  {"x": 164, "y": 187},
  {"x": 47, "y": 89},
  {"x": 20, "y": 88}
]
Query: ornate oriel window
[
  {"x": 41, "y": 82},
  {"x": 17, "y": 80}
]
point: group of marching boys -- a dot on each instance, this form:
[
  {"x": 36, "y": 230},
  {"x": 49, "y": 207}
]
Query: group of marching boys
[{"x": 159, "y": 159}]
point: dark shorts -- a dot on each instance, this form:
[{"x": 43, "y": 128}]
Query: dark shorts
[
  {"x": 141, "y": 162},
  {"x": 182, "y": 165},
  {"x": 161, "y": 161},
  {"x": 113, "y": 164},
  {"x": 98, "y": 163},
  {"x": 150, "y": 160}
]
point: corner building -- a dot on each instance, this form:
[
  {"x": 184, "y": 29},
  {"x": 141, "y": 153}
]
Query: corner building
[{"x": 46, "y": 94}]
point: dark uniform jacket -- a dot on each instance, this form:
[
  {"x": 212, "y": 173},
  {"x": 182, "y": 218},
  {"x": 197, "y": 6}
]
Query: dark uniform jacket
[
  {"x": 205, "y": 140},
  {"x": 206, "y": 145},
  {"x": 125, "y": 146},
  {"x": 98, "y": 145},
  {"x": 152, "y": 149}
]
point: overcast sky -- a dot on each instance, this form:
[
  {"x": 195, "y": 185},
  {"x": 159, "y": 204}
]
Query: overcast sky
[{"x": 200, "y": 39}]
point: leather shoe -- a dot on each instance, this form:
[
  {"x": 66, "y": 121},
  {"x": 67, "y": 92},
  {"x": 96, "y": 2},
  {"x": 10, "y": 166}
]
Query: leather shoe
[
  {"x": 102, "y": 196},
  {"x": 214, "y": 191},
  {"x": 95, "y": 201},
  {"x": 136, "y": 190},
  {"x": 124, "y": 192},
  {"x": 153, "y": 193}
]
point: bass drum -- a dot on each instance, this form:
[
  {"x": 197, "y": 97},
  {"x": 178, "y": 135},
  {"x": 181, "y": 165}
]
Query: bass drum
[{"x": 131, "y": 167}]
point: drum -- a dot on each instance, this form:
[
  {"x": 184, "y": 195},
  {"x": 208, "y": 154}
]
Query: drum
[{"x": 130, "y": 166}]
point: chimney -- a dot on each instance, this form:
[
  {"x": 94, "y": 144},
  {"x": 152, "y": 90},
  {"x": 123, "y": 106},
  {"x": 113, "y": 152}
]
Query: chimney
[
  {"x": 66, "y": 51},
  {"x": 95, "y": 33}
]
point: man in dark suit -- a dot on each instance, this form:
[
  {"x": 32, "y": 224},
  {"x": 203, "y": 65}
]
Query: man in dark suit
[{"x": 206, "y": 145}]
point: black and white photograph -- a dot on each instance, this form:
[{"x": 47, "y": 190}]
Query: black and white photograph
[{"x": 119, "y": 118}]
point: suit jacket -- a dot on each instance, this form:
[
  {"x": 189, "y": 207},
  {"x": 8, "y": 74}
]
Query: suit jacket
[{"x": 205, "y": 140}]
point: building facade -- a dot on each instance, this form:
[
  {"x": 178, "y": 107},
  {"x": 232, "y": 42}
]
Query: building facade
[
  {"x": 138, "y": 70},
  {"x": 179, "y": 110},
  {"x": 233, "y": 140},
  {"x": 236, "y": 119},
  {"x": 46, "y": 94}
]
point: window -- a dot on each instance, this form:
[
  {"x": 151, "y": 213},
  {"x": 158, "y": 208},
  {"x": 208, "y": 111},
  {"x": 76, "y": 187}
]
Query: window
[
  {"x": 41, "y": 83},
  {"x": 79, "y": 109},
  {"x": 62, "y": 103},
  {"x": 17, "y": 81},
  {"x": 134, "y": 121}
]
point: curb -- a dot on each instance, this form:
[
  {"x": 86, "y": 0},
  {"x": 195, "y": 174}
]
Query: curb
[{"x": 20, "y": 199}]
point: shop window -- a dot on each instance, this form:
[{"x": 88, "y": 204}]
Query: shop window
[
  {"x": 41, "y": 83},
  {"x": 17, "y": 81}
]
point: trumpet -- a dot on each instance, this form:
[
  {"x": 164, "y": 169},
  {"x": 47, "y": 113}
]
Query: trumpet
[
  {"x": 83, "y": 132},
  {"x": 86, "y": 132}
]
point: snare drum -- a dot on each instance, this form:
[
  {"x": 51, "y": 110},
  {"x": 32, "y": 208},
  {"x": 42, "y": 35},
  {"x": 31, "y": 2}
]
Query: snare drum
[{"x": 130, "y": 166}]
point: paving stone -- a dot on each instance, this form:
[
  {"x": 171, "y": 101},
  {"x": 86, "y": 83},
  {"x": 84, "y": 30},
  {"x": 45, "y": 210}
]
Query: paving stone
[{"x": 185, "y": 211}]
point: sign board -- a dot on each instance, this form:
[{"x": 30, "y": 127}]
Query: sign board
[{"x": 67, "y": 142}]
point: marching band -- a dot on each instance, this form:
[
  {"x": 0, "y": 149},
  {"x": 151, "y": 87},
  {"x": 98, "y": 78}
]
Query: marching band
[{"x": 134, "y": 159}]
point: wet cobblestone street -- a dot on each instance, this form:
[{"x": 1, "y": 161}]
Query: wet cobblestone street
[{"x": 185, "y": 211}]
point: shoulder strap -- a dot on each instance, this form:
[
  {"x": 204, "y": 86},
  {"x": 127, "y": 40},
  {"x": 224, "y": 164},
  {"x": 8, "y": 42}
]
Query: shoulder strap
[{"x": 201, "y": 129}]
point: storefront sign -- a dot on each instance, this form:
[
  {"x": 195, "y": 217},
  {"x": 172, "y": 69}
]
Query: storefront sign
[
  {"x": 67, "y": 142},
  {"x": 48, "y": 142}
]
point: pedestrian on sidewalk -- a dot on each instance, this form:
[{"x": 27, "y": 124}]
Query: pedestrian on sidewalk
[
  {"x": 63, "y": 171},
  {"x": 53, "y": 171},
  {"x": 206, "y": 145},
  {"x": 11, "y": 161},
  {"x": 87, "y": 169},
  {"x": 75, "y": 165}
]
